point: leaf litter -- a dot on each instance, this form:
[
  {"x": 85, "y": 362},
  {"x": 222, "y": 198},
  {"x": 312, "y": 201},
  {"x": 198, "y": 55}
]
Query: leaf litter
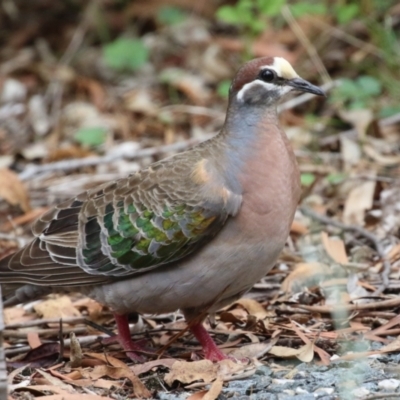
[{"x": 331, "y": 287}]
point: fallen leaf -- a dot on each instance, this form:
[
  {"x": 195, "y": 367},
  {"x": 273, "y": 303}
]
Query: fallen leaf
[
  {"x": 253, "y": 307},
  {"x": 48, "y": 388},
  {"x": 61, "y": 307},
  {"x": 42, "y": 356},
  {"x": 359, "y": 200},
  {"x": 119, "y": 373},
  {"x": 215, "y": 390},
  {"x": 147, "y": 366},
  {"x": 33, "y": 340},
  {"x": 254, "y": 350},
  {"x": 207, "y": 372},
  {"x": 305, "y": 275},
  {"x": 335, "y": 248},
  {"x": 188, "y": 372},
  {"x": 304, "y": 353},
  {"x": 78, "y": 396},
  {"x": 55, "y": 381},
  {"x": 12, "y": 190},
  {"x": 381, "y": 159}
]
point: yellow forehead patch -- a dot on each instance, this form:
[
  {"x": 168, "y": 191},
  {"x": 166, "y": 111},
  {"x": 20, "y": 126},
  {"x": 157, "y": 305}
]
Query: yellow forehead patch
[{"x": 283, "y": 68}]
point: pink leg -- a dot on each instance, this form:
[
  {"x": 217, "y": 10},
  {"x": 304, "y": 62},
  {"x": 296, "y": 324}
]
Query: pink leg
[
  {"x": 125, "y": 340},
  {"x": 210, "y": 349}
]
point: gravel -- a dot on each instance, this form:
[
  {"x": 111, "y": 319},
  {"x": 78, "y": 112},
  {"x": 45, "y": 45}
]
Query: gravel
[{"x": 290, "y": 380}]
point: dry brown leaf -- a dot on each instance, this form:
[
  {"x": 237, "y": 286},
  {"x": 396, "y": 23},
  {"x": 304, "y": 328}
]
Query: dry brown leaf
[
  {"x": 198, "y": 395},
  {"x": 359, "y": 118},
  {"x": 215, "y": 390},
  {"x": 304, "y": 353},
  {"x": 78, "y": 396},
  {"x": 253, "y": 307},
  {"x": 359, "y": 200},
  {"x": 254, "y": 350},
  {"x": 48, "y": 388},
  {"x": 188, "y": 372},
  {"x": 206, "y": 371},
  {"x": 106, "y": 384},
  {"x": 115, "y": 362},
  {"x": 61, "y": 307},
  {"x": 147, "y": 366},
  {"x": 298, "y": 227},
  {"x": 119, "y": 373},
  {"x": 12, "y": 190},
  {"x": 55, "y": 381},
  {"x": 335, "y": 248},
  {"x": 383, "y": 160},
  {"x": 392, "y": 346},
  {"x": 305, "y": 275},
  {"x": 33, "y": 340},
  {"x": 118, "y": 370}
]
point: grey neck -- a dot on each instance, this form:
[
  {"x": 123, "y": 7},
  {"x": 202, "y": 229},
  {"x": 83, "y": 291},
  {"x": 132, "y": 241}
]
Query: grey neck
[{"x": 238, "y": 140}]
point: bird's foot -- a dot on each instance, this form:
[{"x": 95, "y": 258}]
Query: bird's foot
[
  {"x": 131, "y": 347},
  {"x": 210, "y": 349},
  {"x": 124, "y": 339}
]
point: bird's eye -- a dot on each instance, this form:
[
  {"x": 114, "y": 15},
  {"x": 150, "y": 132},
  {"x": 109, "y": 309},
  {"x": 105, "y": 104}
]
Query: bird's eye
[{"x": 267, "y": 75}]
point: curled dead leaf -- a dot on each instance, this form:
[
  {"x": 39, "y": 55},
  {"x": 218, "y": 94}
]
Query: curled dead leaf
[{"x": 12, "y": 190}]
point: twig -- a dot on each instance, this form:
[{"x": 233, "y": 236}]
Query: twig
[
  {"x": 196, "y": 110},
  {"x": 352, "y": 133},
  {"x": 311, "y": 50},
  {"x": 68, "y": 165},
  {"x": 44, "y": 332},
  {"x": 377, "y": 396},
  {"x": 86, "y": 340},
  {"x": 36, "y": 322},
  {"x": 362, "y": 232},
  {"x": 352, "y": 307}
]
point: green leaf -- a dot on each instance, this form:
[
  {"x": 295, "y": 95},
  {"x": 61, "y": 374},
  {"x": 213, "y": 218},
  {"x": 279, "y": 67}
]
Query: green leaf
[
  {"x": 125, "y": 54},
  {"x": 388, "y": 111},
  {"x": 170, "y": 15},
  {"x": 336, "y": 178},
  {"x": 271, "y": 8},
  {"x": 369, "y": 85},
  {"x": 347, "y": 89},
  {"x": 307, "y": 179},
  {"x": 300, "y": 9},
  {"x": 345, "y": 13},
  {"x": 229, "y": 15},
  {"x": 91, "y": 136},
  {"x": 223, "y": 88}
]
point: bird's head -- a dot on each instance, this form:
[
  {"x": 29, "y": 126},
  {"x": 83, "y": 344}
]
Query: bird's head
[{"x": 264, "y": 81}]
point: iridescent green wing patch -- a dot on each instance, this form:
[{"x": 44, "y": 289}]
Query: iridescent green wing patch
[{"x": 136, "y": 239}]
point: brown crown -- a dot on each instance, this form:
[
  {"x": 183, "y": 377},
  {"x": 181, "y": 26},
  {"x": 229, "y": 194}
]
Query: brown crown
[{"x": 249, "y": 72}]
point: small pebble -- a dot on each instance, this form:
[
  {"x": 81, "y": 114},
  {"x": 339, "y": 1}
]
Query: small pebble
[
  {"x": 324, "y": 391},
  {"x": 289, "y": 392},
  {"x": 282, "y": 381},
  {"x": 360, "y": 392},
  {"x": 389, "y": 384},
  {"x": 300, "y": 390}
]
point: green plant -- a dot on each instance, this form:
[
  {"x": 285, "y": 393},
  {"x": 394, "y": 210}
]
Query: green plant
[
  {"x": 91, "y": 136},
  {"x": 223, "y": 88},
  {"x": 357, "y": 93},
  {"x": 169, "y": 15},
  {"x": 125, "y": 54}
]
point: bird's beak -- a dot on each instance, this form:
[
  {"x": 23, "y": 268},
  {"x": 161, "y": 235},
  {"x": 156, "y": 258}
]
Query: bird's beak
[{"x": 305, "y": 86}]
